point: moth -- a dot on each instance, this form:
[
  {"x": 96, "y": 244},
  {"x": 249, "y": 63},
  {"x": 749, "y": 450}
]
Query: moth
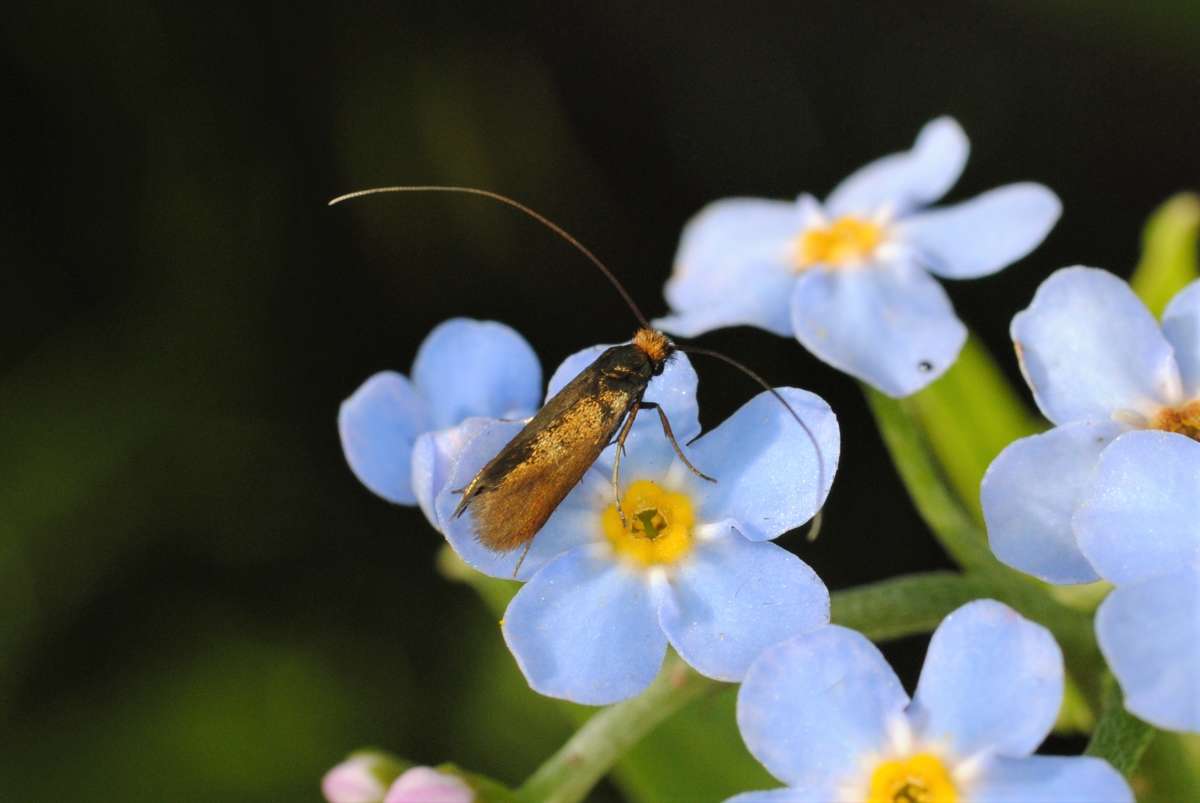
[
  {"x": 517, "y": 490},
  {"x": 514, "y": 494}
]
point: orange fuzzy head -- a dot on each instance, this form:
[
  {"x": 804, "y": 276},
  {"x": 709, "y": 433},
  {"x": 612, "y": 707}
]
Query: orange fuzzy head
[{"x": 657, "y": 347}]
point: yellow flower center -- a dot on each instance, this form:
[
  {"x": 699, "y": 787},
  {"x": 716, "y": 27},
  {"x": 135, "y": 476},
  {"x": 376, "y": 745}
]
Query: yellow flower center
[
  {"x": 922, "y": 778},
  {"x": 848, "y": 240},
  {"x": 658, "y": 524},
  {"x": 1184, "y": 420}
]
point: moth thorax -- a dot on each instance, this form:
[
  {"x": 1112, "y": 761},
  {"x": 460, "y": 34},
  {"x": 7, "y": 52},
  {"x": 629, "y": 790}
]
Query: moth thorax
[{"x": 654, "y": 344}]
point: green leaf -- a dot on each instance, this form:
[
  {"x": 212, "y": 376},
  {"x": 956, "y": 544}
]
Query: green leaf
[
  {"x": 1168, "y": 251},
  {"x": 1075, "y": 715},
  {"x": 927, "y": 484},
  {"x": 1120, "y": 737},
  {"x": 968, "y": 415}
]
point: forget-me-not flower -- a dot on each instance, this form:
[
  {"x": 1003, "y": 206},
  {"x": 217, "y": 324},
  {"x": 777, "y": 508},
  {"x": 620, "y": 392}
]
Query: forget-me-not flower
[
  {"x": 826, "y": 715},
  {"x": 692, "y": 565},
  {"x": 1099, "y": 365},
  {"x": 1139, "y": 526},
  {"x": 400, "y": 434},
  {"x": 849, "y": 278}
]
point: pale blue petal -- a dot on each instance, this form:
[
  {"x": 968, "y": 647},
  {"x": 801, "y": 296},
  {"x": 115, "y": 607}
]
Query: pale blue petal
[
  {"x": 584, "y": 629},
  {"x": 734, "y": 266},
  {"x": 470, "y": 368},
  {"x": 773, "y": 473},
  {"x": 982, "y": 235},
  {"x": 992, "y": 680},
  {"x": 574, "y": 522},
  {"x": 890, "y": 325},
  {"x": 1141, "y": 516},
  {"x": 730, "y": 599},
  {"x": 903, "y": 181},
  {"x": 1088, "y": 347},
  {"x": 1050, "y": 779},
  {"x": 823, "y": 794},
  {"x": 1181, "y": 325},
  {"x": 1031, "y": 491},
  {"x": 812, "y": 707},
  {"x": 433, "y": 456},
  {"x": 378, "y": 425},
  {"x": 1149, "y": 633}
]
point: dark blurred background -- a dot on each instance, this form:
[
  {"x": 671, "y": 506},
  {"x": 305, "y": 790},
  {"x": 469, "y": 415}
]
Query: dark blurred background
[{"x": 198, "y": 601}]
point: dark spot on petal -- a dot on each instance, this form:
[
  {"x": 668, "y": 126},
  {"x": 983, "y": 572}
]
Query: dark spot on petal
[{"x": 925, "y": 366}]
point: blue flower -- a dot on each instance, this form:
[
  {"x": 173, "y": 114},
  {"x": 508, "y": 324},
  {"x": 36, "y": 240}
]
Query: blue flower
[
  {"x": 1099, "y": 366},
  {"x": 1139, "y": 526},
  {"x": 827, "y": 716},
  {"x": 693, "y": 564},
  {"x": 399, "y": 435},
  {"x": 850, "y": 278}
]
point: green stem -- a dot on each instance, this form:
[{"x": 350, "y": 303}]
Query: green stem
[
  {"x": 905, "y": 606},
  {"x": 568, "y": 775},
  {"x": 916, "y": 603},
  {"x": 1120, "y": 737}
]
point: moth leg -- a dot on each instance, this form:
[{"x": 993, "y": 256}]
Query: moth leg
[
  {"x": 467, "y": 494},
  {"x": 525, "y": 554},
  {"x": 616, "y": 472},
  {"x": 666, "y": 426}
]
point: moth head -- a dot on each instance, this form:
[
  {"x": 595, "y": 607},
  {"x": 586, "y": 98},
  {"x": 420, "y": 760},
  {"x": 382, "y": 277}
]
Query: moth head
[{"x": 657, "y": 347}]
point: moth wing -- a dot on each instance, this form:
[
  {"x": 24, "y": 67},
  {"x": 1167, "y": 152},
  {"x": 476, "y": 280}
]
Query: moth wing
[
  {"x": 510, "y": 512},
  {"x": 515, "y": 493}
]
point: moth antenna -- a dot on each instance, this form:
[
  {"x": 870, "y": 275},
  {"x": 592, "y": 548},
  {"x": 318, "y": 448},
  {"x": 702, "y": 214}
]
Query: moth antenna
[
  {"x": 539, "y": 217},
  {"x": 815, "y": 527}
]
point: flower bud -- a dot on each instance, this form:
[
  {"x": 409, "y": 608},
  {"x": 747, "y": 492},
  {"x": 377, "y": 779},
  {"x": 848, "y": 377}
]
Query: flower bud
[
  {"x": 361, "y": 778},
  {"x": 425, "y": 785}
]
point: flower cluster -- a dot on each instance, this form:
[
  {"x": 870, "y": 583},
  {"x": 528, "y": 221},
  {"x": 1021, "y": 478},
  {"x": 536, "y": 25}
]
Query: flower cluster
[
  {"x": 630, "y": 563},
  {"x": 1113, "y": 490},
  {"x": 849, "y": 278},
  {"x": 691, "y": 565},
  {"x": 827, "y": 716}
]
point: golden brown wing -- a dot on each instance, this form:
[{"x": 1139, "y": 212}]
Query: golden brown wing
[{"x": 514, "y": 494}]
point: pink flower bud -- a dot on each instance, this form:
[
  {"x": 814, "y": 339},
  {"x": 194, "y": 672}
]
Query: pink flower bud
[
  {"x": 354, "y": 781},
  {"x": 425, "y": 785}
]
